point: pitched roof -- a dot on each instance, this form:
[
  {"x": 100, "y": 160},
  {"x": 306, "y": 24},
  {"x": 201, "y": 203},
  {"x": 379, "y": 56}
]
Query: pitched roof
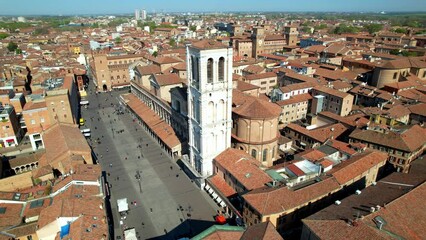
[
  {"x": 418, "y": 109},
  {"x": 62, "y": 138},
  {"x": 320, "y": 134},
  {"x": 331, "y": 91},
  {"x": 295, "y": 99},
  {"x": 404, "y": 215},
  {"x": 163, "y": 130},
  {"x": 409, "y": 140},
  {"x": 167, "y": 79},
  {"x": 34, "y": 105},
  {"x": 252, "y": 107},
  {"x": 243, "y": 167},
  {"x": 263, "y": 230},
  {"x": 148, "y": 70},
  {"x": 268, "y": 201},
  {"x": 356, "y": 165},
  {"x": 208, "y": 44},
  {"x": 260, "y": 76}
]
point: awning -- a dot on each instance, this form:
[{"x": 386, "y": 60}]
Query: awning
[{"x": 10, "y": 140}]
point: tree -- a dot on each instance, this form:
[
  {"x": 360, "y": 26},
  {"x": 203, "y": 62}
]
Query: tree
[
  {"x": 155, "y": 54},
  {"x": 321, "y": 26},
  {"x": 400, "y": 30},
  {"x": 41, "y": 31},
  {"x": 172, "y": 42},
  {"x": 343, "y": 28},
  {"x": 3, "y": 35},
  {"x": 18, "y": 51},
  {"x": 117, "y": 40},
  {"x": 12, "y": 46},
  {"x": 193, "y": 28},
  {"x": 373, "y": 28}
]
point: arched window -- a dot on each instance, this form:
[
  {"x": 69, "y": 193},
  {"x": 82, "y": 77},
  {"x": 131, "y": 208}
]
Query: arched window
[
  {"x": 194, "y": 67},
  {"x": 210, "y": 70},
  {"x": 253, "y": 153},
  {"x": 265, "y": 154},
  {"x": 221, "y": 69}
]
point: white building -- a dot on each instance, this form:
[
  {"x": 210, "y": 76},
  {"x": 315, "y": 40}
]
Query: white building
[
  {"x": 143, "y": 14},
  {"x": 137, "y": 14},
  {"x": 209, "y": 67}
]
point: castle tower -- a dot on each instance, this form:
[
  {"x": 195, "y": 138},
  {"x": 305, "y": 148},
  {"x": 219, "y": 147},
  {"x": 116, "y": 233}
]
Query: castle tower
[
  {"x": 258, "y": 37},
  {"x": 291, "y": 34},
  {"x": 209, "y": 68}
]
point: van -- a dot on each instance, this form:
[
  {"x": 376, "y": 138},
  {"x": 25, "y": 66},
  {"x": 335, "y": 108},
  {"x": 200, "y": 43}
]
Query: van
[{"x": 81, "y": 121}]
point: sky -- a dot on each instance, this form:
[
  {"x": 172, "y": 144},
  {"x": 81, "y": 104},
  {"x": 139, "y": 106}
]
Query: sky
[{"x": 75, "y": 7}]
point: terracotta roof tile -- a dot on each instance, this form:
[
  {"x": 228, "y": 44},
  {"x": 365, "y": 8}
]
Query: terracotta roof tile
[
  {"x": 252, "y": 107},
  {"x": 320, "y": 134},
  {"x": 268, "y": 201},
  {"x": 356, "y": 165},
  {"x": 208, "y": 44},
  {"x": 167, "y": 79},
  {"x": 409, "y": 140},
  {"x": 243, "y": 167},
  {"x": 163, "y": 130},
  {"x": 222, "y": 186}
]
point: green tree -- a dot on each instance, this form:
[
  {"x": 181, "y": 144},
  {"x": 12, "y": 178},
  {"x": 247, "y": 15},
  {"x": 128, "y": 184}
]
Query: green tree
[
  {"x": 155, "y": 54},
  {"x": 400, "y": 30},
  {"x": 343, "y": 28},
  {"x": 117, "y": 40},
  {"x": 321, "y": 26},
  {"x": 3, "y": 35},
  {"x": 172, "y": 42},
  {"x": 12, "y": 46},
  {"x": 18, "y": 51},
  {"x": 373, "y": 28},
  {"x": 193, "y": 28},
  {"x": 41, "y": 31}
]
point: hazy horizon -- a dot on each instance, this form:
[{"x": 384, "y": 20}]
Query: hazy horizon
[{"x": 99, "y": 7}]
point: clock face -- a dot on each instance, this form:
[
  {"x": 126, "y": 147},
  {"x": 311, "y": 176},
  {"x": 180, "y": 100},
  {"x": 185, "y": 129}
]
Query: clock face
[{"x": 260, "y": 42}]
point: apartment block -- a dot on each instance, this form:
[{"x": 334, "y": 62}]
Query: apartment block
[{"x": 328, "y": 99}]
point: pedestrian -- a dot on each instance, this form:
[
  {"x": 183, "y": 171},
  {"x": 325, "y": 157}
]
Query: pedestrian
[
  {"x": 150, "y": 209},
  {"x": 147, "y": 144},
  {"x": 110, "y": 165}
]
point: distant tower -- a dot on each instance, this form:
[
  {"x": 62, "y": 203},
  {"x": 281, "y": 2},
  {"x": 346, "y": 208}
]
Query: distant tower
[
  {"x": 291, "y": 36},
  {"x": 137, "y": 14},
  {"x": 143, "y": 14},
  {"x": 209, "y": 65},
  {"x": 258, "y": 37}
]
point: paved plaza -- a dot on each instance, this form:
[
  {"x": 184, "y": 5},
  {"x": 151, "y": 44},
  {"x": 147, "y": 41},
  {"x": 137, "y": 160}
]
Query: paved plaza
[{"x": 168, "y": 205}]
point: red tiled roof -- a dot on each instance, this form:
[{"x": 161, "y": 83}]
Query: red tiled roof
[
  {"x": 252, "y": 107},
  {"x": 167, "y": 79},
  {"x": 222, "y": 186},
  {"x": 208, "y": 44},
  {"x": 295, "y": 99},
  {"x": 260, "y": 76},
  {"x": 294, "y": 169},
  {"x": 410, "y": 140},
  {"x": 268, "y": 201},
  {"x": 357, "y": 165},
  {"x": 243, "y": 167},
  {"x": 320, "y": 134},
  {"x": 163, "y": 130}
]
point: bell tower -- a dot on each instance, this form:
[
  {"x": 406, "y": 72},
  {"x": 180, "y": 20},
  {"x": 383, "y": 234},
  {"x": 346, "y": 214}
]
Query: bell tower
[
  {"x": 209, "y": 68},
  {"x": 258, "y": 37}
]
